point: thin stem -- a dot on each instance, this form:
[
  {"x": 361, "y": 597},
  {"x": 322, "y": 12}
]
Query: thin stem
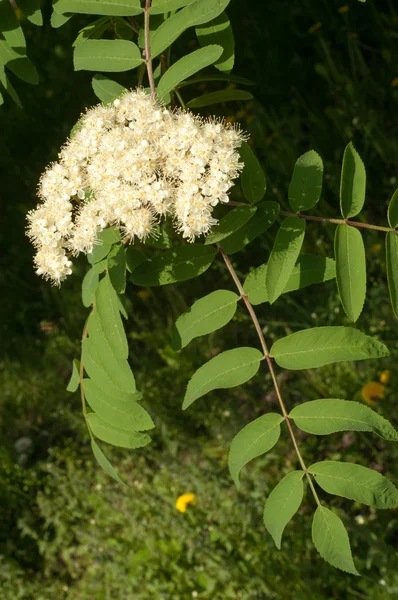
[
  {"x": 271, "y": 368},
  {"x": 287, "y": 213},
  {"x": 148, "y": 60},
  {"x": 180, "y": 99}
]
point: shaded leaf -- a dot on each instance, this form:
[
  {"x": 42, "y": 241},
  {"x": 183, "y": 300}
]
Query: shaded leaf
[
  {"x": 104, "y": 462},
  {"x": 350, "y": 269},
  {"x": 267, "y": 213},
  {"x": 93, "y": 30},
  {"x": 284, "y": 254},
  {"x": 355, "y": 483},
  {"x": 185, "y": 67},
  {"x": 282, "y": 504},
  {"x": 227, "y": 95},
  {"x": 106, "y": 55},
  {"x": 252, "y": 177},
  {"x": 330, "y": 415},
  {"x": 226, "y": 370},
  {"x": 18, "y": 63},
  {"x": 134, "y": 258},
  {"x": 218, "y": 77},
  {"x": 89, "y": 286},
  {"x": 114, "y": 8},
  {"x": 107, "y": 309},
  {"x": 75, "y": 376},
  {"x": 125, "y": 414},
  {"x": 352, "y": 184},
  {"x": 392, "y": 268},
  {"x": 331, "y": 540},
  {"x": 253, "y": 440},
  {"x": 164, "y": 6},
  {"x": 105, "y": 89},
  {"x": 10, "y": 27},
  {"x": 219, "y": 31},
  {"x": 393, "y": 210},
  {"x": 31, "y": 10},
  {"x": 117, "y": 268},
  {"x": 180, "y": 264},
  {"x": 232, "y": 222},
  {"x": 308, "y": 270},
  {"x": 115, "y": 436},
  {"x": 319, "y": 346},
  {"x": 205, "y": 316},
  {"x": 306, "y": 184}
]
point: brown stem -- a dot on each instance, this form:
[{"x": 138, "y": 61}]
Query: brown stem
[
  {"x": 270, "y": 366},
  {"x": 287, "y": 213},
  {"x": 148, "y": 60}
]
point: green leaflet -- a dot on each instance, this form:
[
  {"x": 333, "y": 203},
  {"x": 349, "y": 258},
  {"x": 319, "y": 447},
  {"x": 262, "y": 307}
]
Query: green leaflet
[
  {"x": 226, "y": 370},
  {"x": 350, "y": 269},
  {"x": 106, "y": 55},
  {"x": 105, "y": 89},
  {"x": 253, "y": 440},
  {"x": 114, "y": 8},
  {"x": 75, "y": 377},
  {"x": 185, "y": 67},
  {"x": 393, "y": 210},
  {"x": 100, "y": 251},
  {"x": 117, "y": 268},
  {"x": 227, "y": 95},
  {"x": 93, "y": 30},
  {"x": 123, "y": 30},
  {"x": 1, "y": 99},
  {"x": 10, "y": 27},
  {"x": 196, "y": 13},
  {"x": 392, "y": 268},
  {"x": 104, "y": 462},
  {"x": 308, "y": 270},
  {"x": 282, "y": 504},
  {"x": 252, "y": 177},
  {"x": 163, "y": 6},
  {"x": 231, "y": 223},
  {"x": 319, "y": 346},
  {"x": 306, "y": 184},
  {"x": 115, "y": 436},
  {"x": 355, "y": 483},
  {"x": 111, "y": 374},
  {"x": 179, "y": 264},
  {"x": 218, "y": 77},
  {"x": 18, "y": 63},
  {"x": 110, "y": 235},
  {"x": 352, "y": 184},
  {"x": 267, "y": 213},
  {"x": 134, "y": 258},
  {"x": 283, "y": 257},
  {"x": 331, "y": 540},
  {"x": 99, "y": 267},
  {"x": 124, "y": 414},
  {"x": 330, "y": 415},
  {"x": 9, "y": 88},
  {"x": 31, "y": 10},
  {"x": 58, "y": 20},
  {"x": 159, "y": 238},
  {"x": 109, "y": 319},
  {"x": 89, "y": 286},
  {"x": 219, "y": 31},
  {"x": 205, "y": 316}
]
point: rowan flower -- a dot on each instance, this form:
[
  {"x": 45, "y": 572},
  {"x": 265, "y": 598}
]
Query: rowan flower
[
  {"x": 372, "y": 391},
  {"x": 183, "y": 501},
  {"x": 128, "y": 165}
]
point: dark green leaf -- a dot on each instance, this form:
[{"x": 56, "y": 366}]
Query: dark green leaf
[
  {"x": 353, "y": 183},
  {"x": 18, "y": 63},
  {"x": 205, "y": 316},
  {"x": 331, "y": 415},
  {"x": 114, "y": 8},
  {"x": 117, "y": 268},
  {"x": 252, "y": 177},
  {"x": 283, "y": 257},
  {"x": 219, "y": 31},
  {"x": 174, "y": 265},
  {"x": 105, "y": 89},
  {"x": 89, "y": 286},
  {"x": 227, "y": 370},
  {"x": 218, "y": 77},
  {"x": 331, "y": 540},
  {"x": 308, "y": 270},
  {"x": 232, "y": 222},
  {"x": 253, "y": 440},
  {"x": 267, "y": 213},
  {"x": 134, "y": 258},
  {"x": 355, "y": 483},
  {"x": 93, "y": 30},
  {"x": 306, "y": 184},
  {"x": 282, "y": 504},
  {"x": 10, "y": 27},
  {"x": 392, "y": 268},
  {"x": 227, "y": 95},
  {"x": 319, "y": 346},
  {"x": 393, "y": 210},
  {"x": 350, "y": 269},
  {"x": 164, "y": 6},
  {"x": 31, "y": 10},
  {"x": 115, "y": 436},
  {"x": 106, "y": 55}
]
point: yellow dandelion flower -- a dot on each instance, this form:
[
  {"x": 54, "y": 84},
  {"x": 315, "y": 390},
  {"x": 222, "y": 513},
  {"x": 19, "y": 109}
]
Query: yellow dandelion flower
[
  {"x": 372, "y": 391},
  {"x": 183, "y": 501},
  {"x": 385, "y": 376}
]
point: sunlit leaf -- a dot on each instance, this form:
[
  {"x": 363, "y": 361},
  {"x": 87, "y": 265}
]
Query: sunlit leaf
[
  {"x": 282, "y": 504},
  {"x": 115, "y": 436},
  {"x": 232, "y": 222},
  {"x": 89, "y": 286},
  {"x": 331, "y": 540},
  {"x": 350, "y": 269},
  {"x": 111, "y": 374},
  {"x": 105, "y": 89},
  {"x": 122, "y": 8},
  {"x": 219, "y": 31},
  {"x": 107, "y": 309},
  {"x": 353, "y": 183},
  {"x": 106, "y": 55},
  {"x": 104, "y": 462},
  {"x": 306, "y": 184},
  {"x": 75, "y": 377},
  {"x": 267, "y": 213}
]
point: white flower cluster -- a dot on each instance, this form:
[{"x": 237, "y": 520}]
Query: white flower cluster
[{"x": 128, "y": 165}]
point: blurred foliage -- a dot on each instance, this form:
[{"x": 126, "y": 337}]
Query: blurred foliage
[{"x": 325, "y": 73}]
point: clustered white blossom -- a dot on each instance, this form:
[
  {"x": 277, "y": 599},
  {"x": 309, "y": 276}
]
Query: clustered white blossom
[{"x": 129, "y": 164}]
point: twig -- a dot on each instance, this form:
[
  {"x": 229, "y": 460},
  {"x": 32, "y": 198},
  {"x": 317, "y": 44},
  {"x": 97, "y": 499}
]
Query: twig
[{"x": 148, "y": 60}]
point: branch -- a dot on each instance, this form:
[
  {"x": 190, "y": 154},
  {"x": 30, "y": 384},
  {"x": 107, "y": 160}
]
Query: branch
[{"x": 148, "y": 60}]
